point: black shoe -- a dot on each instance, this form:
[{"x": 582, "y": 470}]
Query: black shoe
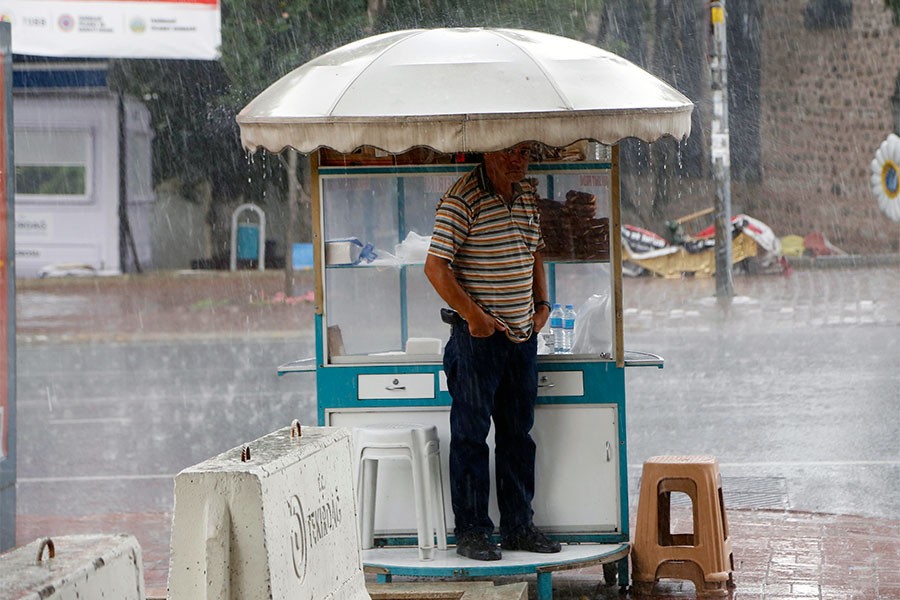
[
  {"x": 477, "y": 546},
  {"x": 530, "y": 539}
]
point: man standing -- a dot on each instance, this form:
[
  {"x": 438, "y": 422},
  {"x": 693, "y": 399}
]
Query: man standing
[{"x": 485, "y": 262}]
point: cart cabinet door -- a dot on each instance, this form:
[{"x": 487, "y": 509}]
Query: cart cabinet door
[{"x": 577, "y": 473}]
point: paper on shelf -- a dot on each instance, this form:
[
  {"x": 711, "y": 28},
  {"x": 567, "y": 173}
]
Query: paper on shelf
[{"x": 348, "y": 251}]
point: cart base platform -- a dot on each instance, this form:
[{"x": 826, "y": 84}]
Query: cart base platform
[{"x": 404, "y": 561}]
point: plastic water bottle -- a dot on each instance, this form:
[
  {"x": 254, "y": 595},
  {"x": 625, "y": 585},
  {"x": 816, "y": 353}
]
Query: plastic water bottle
[
  {"x": 568, "y": 336},
  {"x": 556, "y": 327}
]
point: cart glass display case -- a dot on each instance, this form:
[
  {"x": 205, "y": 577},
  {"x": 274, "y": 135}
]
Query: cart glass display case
[{"x": 376, "y": 224}]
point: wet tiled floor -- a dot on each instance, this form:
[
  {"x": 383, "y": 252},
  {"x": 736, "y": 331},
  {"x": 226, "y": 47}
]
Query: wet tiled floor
[{"x": 777, "y": 555}]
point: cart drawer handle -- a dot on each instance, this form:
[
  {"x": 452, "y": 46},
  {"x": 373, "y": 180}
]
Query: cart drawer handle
[
  {"x": 396, "y": 386},
  {"x": 545, "y": 383},
  {"x": 608, "y": 452}
]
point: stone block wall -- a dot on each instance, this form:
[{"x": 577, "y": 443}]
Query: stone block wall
[{"x": 825, "y": 109}]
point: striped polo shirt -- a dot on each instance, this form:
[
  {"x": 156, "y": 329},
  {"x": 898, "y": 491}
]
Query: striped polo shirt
[{"x": 491, "y": 247}]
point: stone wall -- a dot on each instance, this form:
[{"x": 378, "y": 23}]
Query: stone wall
[{"x": 825, "y": 109}]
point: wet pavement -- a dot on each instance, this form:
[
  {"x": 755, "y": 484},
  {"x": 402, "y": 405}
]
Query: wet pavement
[{"x": 124, "y": 382}]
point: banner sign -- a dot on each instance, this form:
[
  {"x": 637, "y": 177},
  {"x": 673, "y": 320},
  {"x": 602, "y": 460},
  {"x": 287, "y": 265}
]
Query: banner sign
[{"x": 115, "y": 28}]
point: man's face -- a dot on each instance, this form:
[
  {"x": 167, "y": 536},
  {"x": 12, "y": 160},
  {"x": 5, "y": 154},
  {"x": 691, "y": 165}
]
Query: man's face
[{"x": 512, "y": 164}]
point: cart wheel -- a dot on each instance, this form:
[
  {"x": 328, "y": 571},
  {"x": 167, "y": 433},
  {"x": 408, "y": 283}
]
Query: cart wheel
[{"x": 610, "y": 573}]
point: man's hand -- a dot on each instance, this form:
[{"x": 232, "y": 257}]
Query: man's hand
[
  {"x": 481, "y": 324},
  {"x": 541, "y": 314}
]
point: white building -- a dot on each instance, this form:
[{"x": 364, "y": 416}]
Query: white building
[{"x": 83, "y": 171}]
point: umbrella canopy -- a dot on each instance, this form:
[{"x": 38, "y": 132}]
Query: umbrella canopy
[{"x": 462, "y": 90}]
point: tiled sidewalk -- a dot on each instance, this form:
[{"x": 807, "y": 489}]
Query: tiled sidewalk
[{"x": 777, "y": 554}]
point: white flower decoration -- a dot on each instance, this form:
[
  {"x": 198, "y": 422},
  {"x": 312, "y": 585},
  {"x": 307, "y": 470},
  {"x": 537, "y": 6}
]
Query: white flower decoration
[{"x": 886, "y": 177}]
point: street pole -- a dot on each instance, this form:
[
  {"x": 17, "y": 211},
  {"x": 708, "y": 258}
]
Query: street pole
[
  {"x": 720, "y": 151},
  {"x": 8, "y": 407}
]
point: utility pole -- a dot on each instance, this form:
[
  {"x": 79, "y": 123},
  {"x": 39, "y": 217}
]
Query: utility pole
[
  {"x": 7, "y": 299},
  {"x": 720, "y": 151}
]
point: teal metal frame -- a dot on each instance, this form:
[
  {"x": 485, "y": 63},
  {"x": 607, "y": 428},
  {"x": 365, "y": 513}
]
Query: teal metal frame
[{"x": 542, "y": 565}]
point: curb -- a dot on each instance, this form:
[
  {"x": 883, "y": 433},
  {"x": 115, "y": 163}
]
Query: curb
[
  {"x": 117, "y": 338},
  {"x": 844, "y": 261}
]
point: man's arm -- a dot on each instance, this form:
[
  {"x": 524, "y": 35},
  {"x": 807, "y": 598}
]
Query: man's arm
[
  {"x": 541, "y": 313},
  {"x": 438, "y": 272}
]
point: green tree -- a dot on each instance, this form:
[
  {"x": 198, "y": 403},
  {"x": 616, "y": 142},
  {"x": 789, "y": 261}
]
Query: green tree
[
  {"x": 894, "y": 6},
  {"x": 194, "y": 103}
]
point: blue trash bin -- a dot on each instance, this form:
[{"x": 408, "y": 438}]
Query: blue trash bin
[{"x": 248, "y": 241}]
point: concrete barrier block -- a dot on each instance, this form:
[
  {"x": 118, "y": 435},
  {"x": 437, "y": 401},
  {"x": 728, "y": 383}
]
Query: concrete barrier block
[
  {"x": 274, "y": 519},
  {"x": 74, "y": 567}
]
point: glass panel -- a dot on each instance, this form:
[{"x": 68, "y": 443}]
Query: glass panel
[
  {"x": 377, "y": 306},
  {"x": 363, "y": 310},
  {"x": 51, "y": 181},
  {"x": 140, "y": 184},
  {"x": 424, "y": 307},
  {"x": 422, "y": 194},
  {"x": 53, "y": 162},
  {"x": 588, "y": 287},
  {"x": 574, "y": 215},
  {"x": 374, "y": 307},
  {"x": 361, "y": 207}
]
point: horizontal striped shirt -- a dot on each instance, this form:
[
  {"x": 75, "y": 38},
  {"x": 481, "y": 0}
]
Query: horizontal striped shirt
[{"x": 490, "y": 247}]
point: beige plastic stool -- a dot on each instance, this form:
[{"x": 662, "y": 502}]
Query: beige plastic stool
[
  {"x": 704, "y": 556},
  {"x": 420, "y": 445}
]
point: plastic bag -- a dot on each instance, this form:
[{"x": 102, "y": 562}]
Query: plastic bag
[
  {"x": 413, "y": 249},
  {"x": 593, "y": 327}
]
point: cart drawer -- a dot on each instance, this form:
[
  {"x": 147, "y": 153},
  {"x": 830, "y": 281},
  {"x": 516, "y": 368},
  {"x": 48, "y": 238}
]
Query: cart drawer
[
  {"x": 394, "y": 385},
  {"x": 560, "y": 383}
]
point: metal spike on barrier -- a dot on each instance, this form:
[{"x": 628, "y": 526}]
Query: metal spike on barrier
[{"x": 74, "y": 566}]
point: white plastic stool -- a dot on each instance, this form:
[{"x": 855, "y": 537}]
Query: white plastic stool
[{"x": 418, "y": 444}]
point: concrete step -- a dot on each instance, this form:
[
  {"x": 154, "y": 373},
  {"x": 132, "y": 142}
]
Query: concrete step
[{"x": 447, "y": 590}]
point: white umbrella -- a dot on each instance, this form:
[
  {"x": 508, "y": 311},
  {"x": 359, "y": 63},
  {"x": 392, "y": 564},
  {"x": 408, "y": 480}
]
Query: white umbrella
[{"x": 459, "y": 90}]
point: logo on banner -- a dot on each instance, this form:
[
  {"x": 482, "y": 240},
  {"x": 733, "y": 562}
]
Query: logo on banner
[
  {"x": 66, "y": 22},
  {"x": 138, "y": 25}
]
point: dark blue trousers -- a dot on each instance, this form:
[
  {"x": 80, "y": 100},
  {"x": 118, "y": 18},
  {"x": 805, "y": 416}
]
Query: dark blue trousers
[{"x": 491, "y": 378}]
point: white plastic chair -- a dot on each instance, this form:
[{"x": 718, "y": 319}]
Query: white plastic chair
[{"x": 420, "y": 445}]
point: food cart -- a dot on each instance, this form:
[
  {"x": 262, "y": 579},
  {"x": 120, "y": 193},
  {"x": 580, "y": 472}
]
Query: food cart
[{"x": 389, "y": 123}]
